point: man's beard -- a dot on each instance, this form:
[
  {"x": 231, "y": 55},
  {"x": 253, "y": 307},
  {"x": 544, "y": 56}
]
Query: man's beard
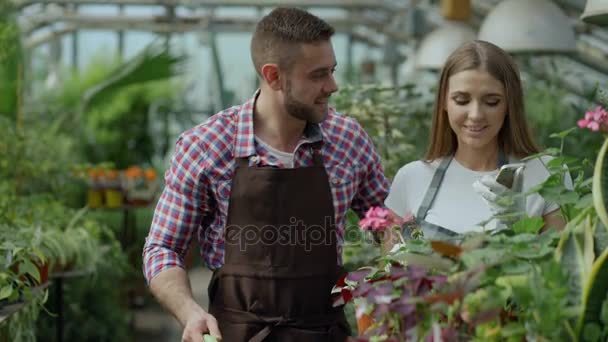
[{"x": 301, "y": 110}]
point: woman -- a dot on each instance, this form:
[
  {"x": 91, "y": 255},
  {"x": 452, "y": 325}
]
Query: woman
[{"x": 478, "y": 125}]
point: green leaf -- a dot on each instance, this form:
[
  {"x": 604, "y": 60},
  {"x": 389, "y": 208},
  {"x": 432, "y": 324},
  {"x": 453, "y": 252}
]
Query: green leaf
[
  {"x": 152, "y": 64},
  {"x": 592, "y": 332},
  {"x": 516, "y": 266},
  {"x": 571, "y": 258},
  {"x": 513, "y": 329},
  {"x": 520, "y": 280},
  {"x": 584, "y": 201},
  {"x": 477, "y": 257},
  {"x": 600, "y": 184},
  {"x": 528, "y": 225},
  {"x": 28, "y": 267},
  {"x": 594, "y": 293},
  {"x": 604, "y": 313},
  {"x": 533, "y": 251},
  {"x": 11, "y": 56},
  {"x": 551, "y": 151},
  {"x": 6, "y": 292},
  {"x": 427, "y": 261},
  {"x": 563, "y": 134}
]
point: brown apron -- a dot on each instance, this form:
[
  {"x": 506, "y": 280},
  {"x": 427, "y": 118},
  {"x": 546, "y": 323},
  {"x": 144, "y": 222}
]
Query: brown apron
[{"x": 280, "y": 261}]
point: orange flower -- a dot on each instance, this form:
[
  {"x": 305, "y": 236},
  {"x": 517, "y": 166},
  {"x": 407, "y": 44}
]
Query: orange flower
[{"x": 150, "y": 174}]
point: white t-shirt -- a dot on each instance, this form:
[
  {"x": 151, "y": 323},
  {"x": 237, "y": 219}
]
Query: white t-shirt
[
  {"x": 457, "y": 206},
  {"x": 284, "y": 158}
]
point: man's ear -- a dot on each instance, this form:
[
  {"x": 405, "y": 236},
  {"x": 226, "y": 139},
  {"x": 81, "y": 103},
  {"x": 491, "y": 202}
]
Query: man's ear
[{"x": 272, "y": 76}]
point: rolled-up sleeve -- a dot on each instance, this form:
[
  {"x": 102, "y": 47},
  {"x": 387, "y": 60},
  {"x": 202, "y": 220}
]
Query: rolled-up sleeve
[
  {"x": 373, "y": 188},
  {"x": 180, "y": 209}
]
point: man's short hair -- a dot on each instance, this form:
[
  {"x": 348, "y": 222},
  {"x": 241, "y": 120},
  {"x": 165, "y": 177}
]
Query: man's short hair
[{"x": 278, "y": 34}]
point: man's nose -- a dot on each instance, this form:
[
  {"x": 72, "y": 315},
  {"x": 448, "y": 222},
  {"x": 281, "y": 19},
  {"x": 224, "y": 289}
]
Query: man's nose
[{"x": 331, "y": 86}]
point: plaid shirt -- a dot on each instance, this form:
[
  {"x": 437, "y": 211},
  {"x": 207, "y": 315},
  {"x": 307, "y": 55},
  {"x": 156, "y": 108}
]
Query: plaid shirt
[{"x": 197, "y": 184}]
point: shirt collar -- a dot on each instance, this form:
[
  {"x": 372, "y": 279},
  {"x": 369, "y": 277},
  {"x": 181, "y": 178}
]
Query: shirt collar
[{"x": 244, "y": 142}]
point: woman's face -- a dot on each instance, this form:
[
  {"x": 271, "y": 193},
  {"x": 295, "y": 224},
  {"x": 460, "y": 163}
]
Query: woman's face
[{"x": 476, "y": 108}]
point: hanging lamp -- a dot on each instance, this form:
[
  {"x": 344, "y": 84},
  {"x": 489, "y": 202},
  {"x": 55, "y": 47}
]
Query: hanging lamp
[{"x": 521, "y": 26}]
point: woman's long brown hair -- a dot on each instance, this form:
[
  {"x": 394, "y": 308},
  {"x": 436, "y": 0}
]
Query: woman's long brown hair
[{"x": 514, "y": 138}]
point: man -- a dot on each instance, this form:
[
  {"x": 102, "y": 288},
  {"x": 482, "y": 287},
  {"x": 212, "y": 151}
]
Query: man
[{"x": 265, "y": 186}]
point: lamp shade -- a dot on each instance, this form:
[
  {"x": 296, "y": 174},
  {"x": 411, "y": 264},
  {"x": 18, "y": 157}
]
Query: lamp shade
[
  {"x": 440, "y": 43},
  {"x": 520, "y": 26},
  {"x": 596, "y": 12}
]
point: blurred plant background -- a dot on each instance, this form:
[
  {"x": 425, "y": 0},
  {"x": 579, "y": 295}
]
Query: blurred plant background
[{"x": 91, "y": 106}]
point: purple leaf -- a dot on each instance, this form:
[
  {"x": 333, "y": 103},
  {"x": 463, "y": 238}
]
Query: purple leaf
[
  {"x": 438, "y": 280},
  {"x": 398, "y": 272},
  {"x": 358, "y": 275},
  {"x": 376, "y": 331},
  {"x": 362, "y": 289},
  {"x": 403, "y": 309},
  {"x": 408, "y": 323},
  {"x": 416, "y": 272},
  {"x": 384, "y": 289},
  {"x": 380, "y": 310}
]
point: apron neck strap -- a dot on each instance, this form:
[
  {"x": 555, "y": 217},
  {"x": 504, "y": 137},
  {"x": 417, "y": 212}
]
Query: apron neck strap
[
  {"x": 433, "y": 188},
  {"x": 502, "y": 158},
  {"x": 315, "y": 150},
  {"x": 431, "y": 192},
  {"x": 242, "y": 162}
]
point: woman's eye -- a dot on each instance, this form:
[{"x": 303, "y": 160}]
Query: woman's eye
[
  {"x": 461, "y": 102},
  {"x": 492, "y": 103}
]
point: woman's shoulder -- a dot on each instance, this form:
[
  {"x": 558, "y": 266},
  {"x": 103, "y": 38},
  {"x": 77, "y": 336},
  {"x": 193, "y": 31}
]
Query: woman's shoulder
[
  {"x": 418, "y": 167},
  {"x": 416, "y": 173},
  {"x": 538, "y": 165}
]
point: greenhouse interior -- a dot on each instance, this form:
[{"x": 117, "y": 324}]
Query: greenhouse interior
[{"x": 95, "y": 100}]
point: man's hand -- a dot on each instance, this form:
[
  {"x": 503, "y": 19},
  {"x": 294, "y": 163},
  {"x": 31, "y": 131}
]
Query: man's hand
[{"x": 200, "y": 324}]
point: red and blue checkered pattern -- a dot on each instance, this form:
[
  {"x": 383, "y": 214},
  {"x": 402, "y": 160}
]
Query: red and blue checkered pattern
[{"x": 197, "y": 184}]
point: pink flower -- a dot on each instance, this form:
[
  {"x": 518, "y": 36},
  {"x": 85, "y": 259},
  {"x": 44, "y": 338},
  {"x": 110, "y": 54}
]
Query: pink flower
[
  {"x": 378, "y": 219},
  {"x": 594, "y": 119}
]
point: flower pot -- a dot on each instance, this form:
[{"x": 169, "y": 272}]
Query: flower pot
[
  {"x": 113, "y": 198},
  {"x": 94, "y": 198}
]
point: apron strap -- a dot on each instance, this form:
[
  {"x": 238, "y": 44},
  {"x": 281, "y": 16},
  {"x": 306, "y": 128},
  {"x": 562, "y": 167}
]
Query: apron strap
[
  {"x": 431, "y": 192},
  {"x": 502, "y": 158},
  {"x": 269, "y": 323},
  {"x": 242, "y": 162},
  {"x": 315, "y": 150}
]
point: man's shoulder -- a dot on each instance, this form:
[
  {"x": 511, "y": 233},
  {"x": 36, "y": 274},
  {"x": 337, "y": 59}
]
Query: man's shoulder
[
  {"x": 337, "y": 127},
  {"x": 220, "y": 127}
]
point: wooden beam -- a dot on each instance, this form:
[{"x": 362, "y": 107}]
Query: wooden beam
[
  {"x": 158, "y": 24},
  {"x": 345, "y": 4},
  {"x": 33, "y": 42},
  {"x": 381, "y": 27},
  {"x": 244, "y": 26}
]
